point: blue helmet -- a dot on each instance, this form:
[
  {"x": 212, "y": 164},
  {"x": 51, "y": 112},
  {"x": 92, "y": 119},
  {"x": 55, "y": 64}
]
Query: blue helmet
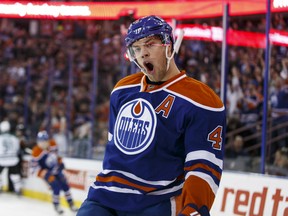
[
  {"x": 149, "y": 26},
  {"x": 42, "y": 136}
]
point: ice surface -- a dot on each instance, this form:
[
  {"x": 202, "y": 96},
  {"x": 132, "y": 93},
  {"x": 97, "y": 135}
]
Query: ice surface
[{"x": 12, "y": 205}]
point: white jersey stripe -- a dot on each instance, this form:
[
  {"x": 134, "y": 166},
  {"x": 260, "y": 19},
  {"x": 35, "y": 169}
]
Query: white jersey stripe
[
  {"x": 166, "y": 191},
  {"x": 131, "y": 191},
  {"x": 196, "y": 103},
  {"x": 124, "y": 87},
  {"x": 195, "y": 214},
  {"x": 173, "y": 206},
  {"x": 131, "y": 176},
  {"x": 116, "y": 189},
  {"x": 201, "y": 154}
]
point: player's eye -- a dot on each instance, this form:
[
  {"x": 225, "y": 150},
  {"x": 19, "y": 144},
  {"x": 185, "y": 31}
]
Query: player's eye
[
  {"x": 153, "y": 45},
  {"x": 149, "y": 45},
  {"x": 136, "y": 49}
]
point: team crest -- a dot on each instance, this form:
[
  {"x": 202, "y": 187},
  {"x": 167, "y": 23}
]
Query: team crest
[{"x": 135, "y": 127}]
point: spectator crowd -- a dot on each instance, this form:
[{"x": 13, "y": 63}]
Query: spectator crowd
[{"x": 47, "y": 72}]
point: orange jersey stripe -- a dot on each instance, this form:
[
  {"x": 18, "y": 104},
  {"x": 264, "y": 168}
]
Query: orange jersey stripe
[
  {"x": 125, "y": 182},
  {"x": 195, "y": 166},
  {"x": 36, "y": 151},
  {"x": 193, "y": 193},
  {"x": 130, "y": 80},
  {"x": 207, "y": 98},
  {"x": 52, "y": 143}
]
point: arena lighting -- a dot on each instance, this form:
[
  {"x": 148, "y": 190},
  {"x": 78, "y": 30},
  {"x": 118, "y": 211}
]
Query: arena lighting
[
  {"x": 235, "y": 37},
  {"x": 280, "y": 3},
  {"x": 200, "y": 32},
  {"x": 167, "y": 9},
  {"x": 279, "y": 38},
  {"x": 31, "y": 9}
]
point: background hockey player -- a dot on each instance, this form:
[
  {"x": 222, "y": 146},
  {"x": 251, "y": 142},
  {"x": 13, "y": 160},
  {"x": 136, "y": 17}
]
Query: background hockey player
[
  {"x": 166, "y": 131},
  {"x": 51, "y": 169},
  {"x": 9, "y": 156}
]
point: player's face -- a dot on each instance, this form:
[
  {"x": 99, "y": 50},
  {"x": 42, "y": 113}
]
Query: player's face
[
  {"x": 150, "y": 54},
  {"x": 43, "y": 144}
]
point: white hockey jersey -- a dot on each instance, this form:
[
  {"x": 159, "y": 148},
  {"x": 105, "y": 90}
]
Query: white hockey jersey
[{"x": 9, "y": 150}]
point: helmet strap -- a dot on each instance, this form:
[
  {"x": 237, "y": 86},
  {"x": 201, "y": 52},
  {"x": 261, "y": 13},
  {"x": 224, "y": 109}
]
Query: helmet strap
[
  {"x": 176, "y": 48},
  {"x": 169, "y": 58},
  {"x": 141, "y": 68}
]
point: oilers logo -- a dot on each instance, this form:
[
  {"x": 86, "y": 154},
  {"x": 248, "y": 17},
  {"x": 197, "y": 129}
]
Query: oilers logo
[{"x": 135, "y": 127}]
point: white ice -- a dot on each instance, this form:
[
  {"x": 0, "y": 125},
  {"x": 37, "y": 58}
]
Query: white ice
[{"x": 12, "y": 205}]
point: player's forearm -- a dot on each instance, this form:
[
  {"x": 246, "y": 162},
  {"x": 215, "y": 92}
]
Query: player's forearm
[{"x": 197, "y": 196}]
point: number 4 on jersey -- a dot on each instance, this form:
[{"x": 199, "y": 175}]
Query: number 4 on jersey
[{"x": 215, "y": 136}]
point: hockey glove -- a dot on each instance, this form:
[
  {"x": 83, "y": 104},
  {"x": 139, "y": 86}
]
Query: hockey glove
[{"x": 193, "y": 210}]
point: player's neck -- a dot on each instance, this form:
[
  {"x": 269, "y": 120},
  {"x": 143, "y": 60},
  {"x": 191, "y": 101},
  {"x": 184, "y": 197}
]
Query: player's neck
[
  {"x": 154, "y": 82},
  {"x": 172, "y": 70}
]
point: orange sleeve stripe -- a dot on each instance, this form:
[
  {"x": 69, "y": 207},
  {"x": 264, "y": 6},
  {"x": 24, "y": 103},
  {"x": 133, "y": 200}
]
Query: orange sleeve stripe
[
  {"x": 36, "y": 152},
  {"x": 53, "y": 143},
  {"x": 178, "y": 203},
  {"x": 206, "y": 167},
  {"x": 196, "y": 191},
  {"x": 42, "y": 173},
  {"x": 125, "y": 182}
]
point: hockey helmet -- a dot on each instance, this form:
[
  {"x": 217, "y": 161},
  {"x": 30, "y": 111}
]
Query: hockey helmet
[
  {"x": 4, "y": 127},
  {"x": 149, "y": 26},
  {"x": 43, "y": 139},
  {"x": 42, "y": 136}
]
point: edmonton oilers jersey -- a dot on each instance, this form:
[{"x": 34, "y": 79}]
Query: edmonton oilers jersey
[
  {"x": 164, "y": 141},
  {"x": 45, "y": 159}
]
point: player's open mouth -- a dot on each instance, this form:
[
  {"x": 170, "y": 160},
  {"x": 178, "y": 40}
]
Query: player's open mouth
[{"x": 149, "y": 67}]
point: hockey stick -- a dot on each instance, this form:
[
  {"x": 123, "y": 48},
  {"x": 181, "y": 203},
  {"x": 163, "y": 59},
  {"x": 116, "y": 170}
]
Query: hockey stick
[{"x": 179, "y": 41}]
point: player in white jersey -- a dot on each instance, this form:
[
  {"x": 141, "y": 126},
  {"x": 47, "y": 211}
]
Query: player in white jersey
[{"x": 9, "y": 156}]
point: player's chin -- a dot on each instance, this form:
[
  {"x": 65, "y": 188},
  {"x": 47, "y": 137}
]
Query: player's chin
[{"x": 152, "y": 76}]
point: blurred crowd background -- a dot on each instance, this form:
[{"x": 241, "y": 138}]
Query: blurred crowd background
[{"x": 37, "y": 91}]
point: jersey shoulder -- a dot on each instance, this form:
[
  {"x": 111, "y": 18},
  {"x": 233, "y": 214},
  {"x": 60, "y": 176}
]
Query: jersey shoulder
[
  {"x": 132, "y": 79},
  {"x": 52, "y": 143},
  {"x": 197, "y": 92},
  {"x": 36, "y": 151}
]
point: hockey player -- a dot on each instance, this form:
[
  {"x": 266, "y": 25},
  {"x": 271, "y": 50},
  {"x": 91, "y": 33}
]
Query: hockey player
[
  {"x": 50, "y": 168},
  {"x": 9, "y": 156},
  {"x": 166, "y": 132}
]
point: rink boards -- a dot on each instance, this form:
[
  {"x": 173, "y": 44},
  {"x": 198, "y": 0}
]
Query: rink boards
[{"x": 239, "y": 193}]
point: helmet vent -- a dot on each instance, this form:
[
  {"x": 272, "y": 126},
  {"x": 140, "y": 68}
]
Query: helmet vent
[{"x": 153, "y": 28}]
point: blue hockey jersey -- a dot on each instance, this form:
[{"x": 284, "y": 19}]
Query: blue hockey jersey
[
  {"x": 46, "y": 160},
  {"x": 164, "y": 141}
]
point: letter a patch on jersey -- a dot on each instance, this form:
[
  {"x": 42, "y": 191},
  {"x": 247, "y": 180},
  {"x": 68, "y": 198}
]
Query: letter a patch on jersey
[{"x": 165, "y": 106}]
